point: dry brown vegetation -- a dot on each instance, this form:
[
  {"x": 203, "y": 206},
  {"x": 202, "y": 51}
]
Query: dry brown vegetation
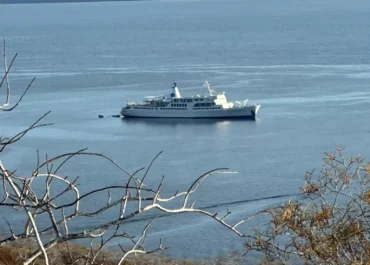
[
  {"x": 9, "y": 256},
  {"x": 331, "y": 226},
  {"x": 66, "y": 254}
]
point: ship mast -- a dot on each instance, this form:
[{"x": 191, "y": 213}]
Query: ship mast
[{"x": 210, "y": 89}]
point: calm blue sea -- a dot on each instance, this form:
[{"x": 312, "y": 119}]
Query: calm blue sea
[{"x": 306, "y": 62}]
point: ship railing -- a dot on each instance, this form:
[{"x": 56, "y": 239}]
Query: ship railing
[{"x": 240, "y": 104}]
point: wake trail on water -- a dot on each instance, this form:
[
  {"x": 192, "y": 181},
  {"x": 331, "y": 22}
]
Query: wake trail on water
[
  {"x": 249, "y": 200},
  {"x": 148, "y": 217}
]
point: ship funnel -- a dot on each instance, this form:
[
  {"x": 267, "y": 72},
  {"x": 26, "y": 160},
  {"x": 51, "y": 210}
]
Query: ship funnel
[{"x": 176, "y": 92}]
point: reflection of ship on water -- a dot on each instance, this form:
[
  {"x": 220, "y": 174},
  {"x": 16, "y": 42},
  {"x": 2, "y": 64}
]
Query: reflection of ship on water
[{"x": 175, "y": 121}]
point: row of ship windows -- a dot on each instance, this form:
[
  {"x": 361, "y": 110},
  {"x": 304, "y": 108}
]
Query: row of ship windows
[
  {"x": 143, "y": 108},
  {"x": 209, "y": 108},
  {"x": 187, "y": 99},
  {"x": 176, "y": 108},
  {"x": 178, "y": 105},
  {"x": 173, "y": 108},
  {"x": 197, "y": 105},
  {"x": 185, "y": 108}
]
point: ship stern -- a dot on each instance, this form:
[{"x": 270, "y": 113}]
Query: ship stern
[{"x": 255, "y": 110}]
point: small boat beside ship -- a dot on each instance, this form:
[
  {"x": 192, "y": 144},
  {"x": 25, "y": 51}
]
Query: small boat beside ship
[{"x": 211, "y": 106}]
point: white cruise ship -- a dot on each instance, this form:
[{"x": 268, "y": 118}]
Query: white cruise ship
[{"x": 214, "y": 105}]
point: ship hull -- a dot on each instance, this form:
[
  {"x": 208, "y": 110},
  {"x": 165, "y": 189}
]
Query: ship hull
[{"x": 249, "y": 112}]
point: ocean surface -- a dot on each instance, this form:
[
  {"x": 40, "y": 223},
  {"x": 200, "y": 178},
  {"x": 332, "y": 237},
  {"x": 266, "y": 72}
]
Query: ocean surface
[{"x": 306, "y": 62}]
